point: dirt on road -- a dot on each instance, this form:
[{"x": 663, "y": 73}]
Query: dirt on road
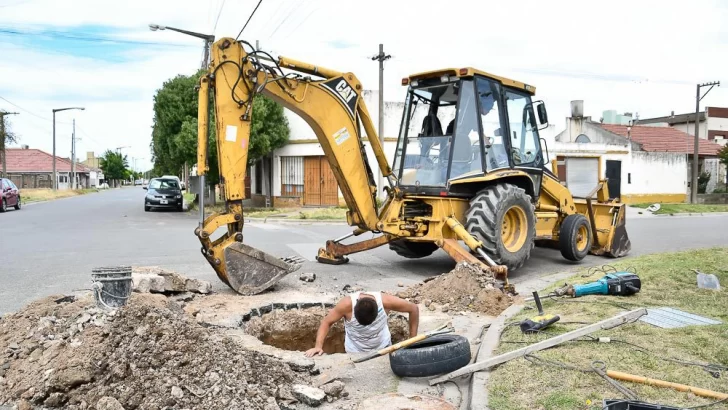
[
  {"x": 465, "y": 288},
  {"x": 65, "y": 353}
]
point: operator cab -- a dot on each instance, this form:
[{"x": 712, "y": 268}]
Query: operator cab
[{"x": 463, "y": 124}]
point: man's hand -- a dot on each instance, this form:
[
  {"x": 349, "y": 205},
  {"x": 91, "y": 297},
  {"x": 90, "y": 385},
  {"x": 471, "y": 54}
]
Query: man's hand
[{"x": 314, "y": 352}]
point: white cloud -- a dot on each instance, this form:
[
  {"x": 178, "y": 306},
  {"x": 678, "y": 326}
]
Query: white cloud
[{"x": 630, "y": 56}]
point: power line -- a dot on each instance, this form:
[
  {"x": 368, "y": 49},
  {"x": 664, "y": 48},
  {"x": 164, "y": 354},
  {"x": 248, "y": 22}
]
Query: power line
[
  {"x": 218, "y": 16},
  {"x": 86, "y": 38},
  {"x": 246, "y": 23},
  {"x": 290, "y": 13},
  {"x": 31, "y": 112}
]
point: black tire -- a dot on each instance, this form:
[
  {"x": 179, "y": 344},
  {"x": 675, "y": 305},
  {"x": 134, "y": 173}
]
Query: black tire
[
  {"x": 436, "y": 355},
  {"x": 147, "y": 208},
  {"x": 412, "y": 250},
  {"x": 575, "y": 237},
  {"x": 3, "y": 206},
  {"x": 180, "y": 208},
  {"x": 485, "y": 221},
  {"x": 17, "y": 206}
]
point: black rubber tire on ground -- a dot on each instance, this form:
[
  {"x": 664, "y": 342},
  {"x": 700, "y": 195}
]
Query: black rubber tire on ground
[
  {"x": 412, "y": 250},
  {"x": 180, "y": 208},
  {"x": 147, "y": 208},
  {"x": 430, "y": 357},
  {"x": 17, "y": 206},
  {"x": 3, "y": 206},
  {"x": 575, "y": 237},
  {"x": 485, "y": 221}
]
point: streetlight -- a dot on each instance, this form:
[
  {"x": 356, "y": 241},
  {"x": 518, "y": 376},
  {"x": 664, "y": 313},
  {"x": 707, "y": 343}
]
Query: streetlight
[
  {"x": 209, "y": 38},
  {"x": 696, "y": 142},
  {"x": 55, "y": 110}
]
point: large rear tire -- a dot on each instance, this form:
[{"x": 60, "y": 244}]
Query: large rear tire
[
  {"x": 412, "y": 250},
  {"x": 503, "y": 218}
]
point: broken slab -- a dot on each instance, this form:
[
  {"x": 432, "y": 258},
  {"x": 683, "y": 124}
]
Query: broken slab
[
  {"x": 309, "y": 395},
  {"x": 156, "y": 280}
]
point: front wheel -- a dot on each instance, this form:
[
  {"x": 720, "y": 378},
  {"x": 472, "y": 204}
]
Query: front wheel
[
  {"x": 575, "y": 237},
  {"x": 17, "y": 205},
  {"x": 3, "y": 205},
  {"x": 503, "y": 218}
]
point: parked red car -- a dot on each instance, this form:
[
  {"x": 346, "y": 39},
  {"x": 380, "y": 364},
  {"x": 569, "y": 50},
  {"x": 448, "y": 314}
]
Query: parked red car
[{"x": 9, "y": 195}]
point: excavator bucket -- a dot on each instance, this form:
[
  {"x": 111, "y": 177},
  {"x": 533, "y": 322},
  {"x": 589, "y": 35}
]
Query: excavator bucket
[
  {"x": 620, "y": 244},
  {"x": 250, "y": 271}
]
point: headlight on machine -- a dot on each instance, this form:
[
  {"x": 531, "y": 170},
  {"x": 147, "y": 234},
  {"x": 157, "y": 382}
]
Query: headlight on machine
[{"x": 179, "y": 196}]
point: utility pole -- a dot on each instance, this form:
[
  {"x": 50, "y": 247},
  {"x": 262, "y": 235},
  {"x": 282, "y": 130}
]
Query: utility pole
[
  {"x": 73, "y": 156},
  {"x": 2, "y": 141},
  {"x": 696, "y": 147},
  {"x": 381, "y": 57}
]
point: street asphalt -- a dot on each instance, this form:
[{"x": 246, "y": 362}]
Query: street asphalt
[{"x": 50, "y": 248}]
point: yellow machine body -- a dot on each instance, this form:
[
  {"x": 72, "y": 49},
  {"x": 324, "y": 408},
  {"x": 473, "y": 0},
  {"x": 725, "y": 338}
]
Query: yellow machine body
[{"x": 330, "y": 102}]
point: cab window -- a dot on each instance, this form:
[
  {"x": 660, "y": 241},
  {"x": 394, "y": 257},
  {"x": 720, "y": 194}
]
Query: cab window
[{"x": 524, "y": 142}]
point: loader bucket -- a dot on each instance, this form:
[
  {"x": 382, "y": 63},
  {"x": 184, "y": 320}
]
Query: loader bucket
[
  {"x": 620, "y": 244},
  {"x": 250, "y": 271}
]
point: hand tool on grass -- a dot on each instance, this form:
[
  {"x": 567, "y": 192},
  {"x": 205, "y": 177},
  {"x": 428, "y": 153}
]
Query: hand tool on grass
[
  {"x": 613, "y": 284},
  {"x": 599, "y": 367},
  {"x": 537, "y": 323},
  {"x": 387, "y": 350}
]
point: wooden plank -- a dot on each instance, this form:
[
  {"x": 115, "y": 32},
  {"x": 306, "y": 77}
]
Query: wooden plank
[{"x": 621, "y": 319}]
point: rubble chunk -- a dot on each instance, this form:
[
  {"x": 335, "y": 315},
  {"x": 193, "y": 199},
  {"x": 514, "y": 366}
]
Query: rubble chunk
[
  {"x": 307, "y": 277},
  {"x": 108, "y": 403},
  {"x": 308, "y": 395},
  {"x": 334, "y": 388}
]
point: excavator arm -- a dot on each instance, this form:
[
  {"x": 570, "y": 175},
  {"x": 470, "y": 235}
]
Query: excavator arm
[{"x": 331, "y": 104}]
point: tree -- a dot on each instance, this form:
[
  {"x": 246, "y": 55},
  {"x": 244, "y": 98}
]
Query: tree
[
  {"x": 269, "y": 129},
  {"x": 723, "y": 155},
  {"x": 6, "y": 137},
  {"x": 115, "y": 166}
]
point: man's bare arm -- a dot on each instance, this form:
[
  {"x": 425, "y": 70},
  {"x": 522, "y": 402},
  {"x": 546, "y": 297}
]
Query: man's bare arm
[
  {"x": 334, "y": 315},
  {"x": 400, "y": 305}
]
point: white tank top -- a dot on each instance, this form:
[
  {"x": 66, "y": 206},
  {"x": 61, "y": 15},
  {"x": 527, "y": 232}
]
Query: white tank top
[{"x": 364, "y": 339}]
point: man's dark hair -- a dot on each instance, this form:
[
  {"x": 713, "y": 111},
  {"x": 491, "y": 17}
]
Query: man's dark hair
[{"x": 365, "y": 311}]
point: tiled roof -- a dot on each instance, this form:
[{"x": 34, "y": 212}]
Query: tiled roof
[
  {"x": 664, "y": 139},
  {"x": 35, "y": 160}
]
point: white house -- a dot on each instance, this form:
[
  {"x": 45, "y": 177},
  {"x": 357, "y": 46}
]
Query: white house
[{"x": 642, "y": 163}]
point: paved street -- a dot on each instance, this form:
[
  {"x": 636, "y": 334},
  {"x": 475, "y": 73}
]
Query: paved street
[{"x": 51, "y": 247}]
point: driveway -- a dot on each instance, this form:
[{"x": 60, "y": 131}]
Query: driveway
[{"x": 51, "y": 247}]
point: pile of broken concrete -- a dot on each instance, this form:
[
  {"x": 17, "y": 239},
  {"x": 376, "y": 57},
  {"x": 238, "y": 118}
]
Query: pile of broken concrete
[{"x": 63, "y": 352}]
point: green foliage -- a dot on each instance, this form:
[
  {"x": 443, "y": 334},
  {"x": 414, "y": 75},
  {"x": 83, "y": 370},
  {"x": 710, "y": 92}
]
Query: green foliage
[
  {"x": 8, "y": 137},
  {"x": 723, "y": 155},
  {"x": 174, "y": 133},
  {"x": 114, "y": 165},
  {"x": 269, "y": 129},
  {"x": 703, "y": 180}
]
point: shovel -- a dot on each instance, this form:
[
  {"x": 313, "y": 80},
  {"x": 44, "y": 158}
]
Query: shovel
[{"x": 387, "y": 350}]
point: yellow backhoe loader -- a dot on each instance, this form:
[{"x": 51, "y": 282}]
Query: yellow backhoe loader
[{"x": 468, "y": 168}]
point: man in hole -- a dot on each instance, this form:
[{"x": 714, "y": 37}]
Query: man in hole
[{"x": 365, "y": 321}]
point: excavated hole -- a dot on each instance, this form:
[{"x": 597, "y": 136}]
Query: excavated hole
[{"x": 296, "y": 329}]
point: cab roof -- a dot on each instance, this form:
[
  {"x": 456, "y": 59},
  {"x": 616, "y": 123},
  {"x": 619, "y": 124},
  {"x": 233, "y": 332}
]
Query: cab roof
[{"x": 469, "y": 72}]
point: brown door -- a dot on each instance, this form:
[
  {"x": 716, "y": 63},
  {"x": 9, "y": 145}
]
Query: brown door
[
  {"x": 320, "y": 187},
  {"x": 329, "y": 187}
]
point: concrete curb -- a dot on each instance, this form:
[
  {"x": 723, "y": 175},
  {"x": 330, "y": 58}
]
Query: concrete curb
[
  {"x": 478, "y": 391},
  {"x": 287, "y": 221},
  {"x": 680, "y": 214},
  {"x": 59, "y": 199}
]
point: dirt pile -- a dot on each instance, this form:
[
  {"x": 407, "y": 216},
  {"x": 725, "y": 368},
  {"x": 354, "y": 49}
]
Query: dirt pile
[
  {"x": 148, "y": 355},
  {"x": 466, "y": 287}
]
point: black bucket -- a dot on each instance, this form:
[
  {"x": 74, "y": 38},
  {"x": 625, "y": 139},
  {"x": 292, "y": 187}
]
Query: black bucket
[{"x": 112, "y": 286}]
